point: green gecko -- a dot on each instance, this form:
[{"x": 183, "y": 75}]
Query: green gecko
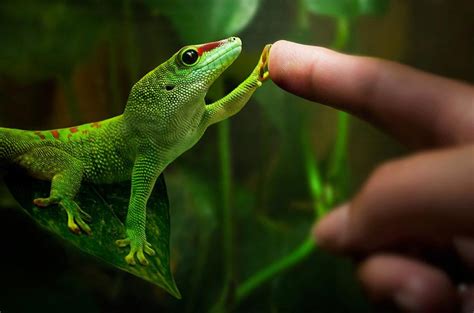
[{"x": 165, "y": 115}]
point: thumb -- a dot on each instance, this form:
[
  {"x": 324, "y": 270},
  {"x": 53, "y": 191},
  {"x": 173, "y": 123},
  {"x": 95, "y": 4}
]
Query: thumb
[{"x": 430, "y": 195}]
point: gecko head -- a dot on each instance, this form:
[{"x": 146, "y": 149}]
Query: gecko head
[
  {"x": 184, "y": 79},
  {"x": 196, "y": 67}
]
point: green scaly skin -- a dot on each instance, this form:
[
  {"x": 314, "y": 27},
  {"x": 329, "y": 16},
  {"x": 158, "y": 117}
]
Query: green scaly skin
[{"x": 165, "y": 115}]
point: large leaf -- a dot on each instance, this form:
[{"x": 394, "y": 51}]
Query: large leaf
[
  {"x": 107, "y": 204},
  {"x": 206, "y": 20},
  {"x": 347, "y": 8}
]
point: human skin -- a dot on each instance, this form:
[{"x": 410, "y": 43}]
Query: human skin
[{"x": 421, "y": 201}]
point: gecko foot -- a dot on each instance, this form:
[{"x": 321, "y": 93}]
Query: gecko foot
[
  {"x": 76, "y": 217},
  {"x": 138, "y": 247},
  {"x": 263, "y": 64}
]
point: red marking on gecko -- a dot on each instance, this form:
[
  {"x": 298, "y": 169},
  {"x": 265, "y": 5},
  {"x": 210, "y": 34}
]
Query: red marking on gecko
[
  {"x": 73, "y": 130},
  {"x": 209, "y": 46},
  {"x": 95, "y": 125},
  {"x": 40, "y": 135},
  {"x": 55, "y": 134}
]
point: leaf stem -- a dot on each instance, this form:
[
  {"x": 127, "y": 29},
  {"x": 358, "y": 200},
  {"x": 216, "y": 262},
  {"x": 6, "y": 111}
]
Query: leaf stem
[
  {"x": 302, "y": 17},
  {"x": 223, "y": 129},
  {"x": 343, "y": 32},
  {"x": 288, "y": 261},
  {"x": 339, "y": 154},
  {"x": 313, "y": 176},
  {"x": 226, "y": 185},
  {"x": 315, "y": 183}
]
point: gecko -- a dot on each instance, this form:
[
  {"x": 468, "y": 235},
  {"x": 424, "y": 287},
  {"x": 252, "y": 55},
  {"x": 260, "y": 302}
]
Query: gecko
[{"x": 165, "y": 115}]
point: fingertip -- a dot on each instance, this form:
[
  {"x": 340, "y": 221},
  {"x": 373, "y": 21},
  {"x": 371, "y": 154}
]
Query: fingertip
[
  {"x": 310, "y": 72},
  {"x": 329, "y": 232},
  {"x": 278, "y": 59},
  {"x": 290, "y": 66},
  {"x": 411, "y": 285}
]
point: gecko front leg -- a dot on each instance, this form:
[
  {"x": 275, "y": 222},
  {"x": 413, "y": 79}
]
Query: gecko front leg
[
  {"x": 145, "y": 173},
  {"x": 237, "y": 98}
]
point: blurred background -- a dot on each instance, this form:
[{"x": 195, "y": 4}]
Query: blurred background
[{"x": 243, "y": 200}]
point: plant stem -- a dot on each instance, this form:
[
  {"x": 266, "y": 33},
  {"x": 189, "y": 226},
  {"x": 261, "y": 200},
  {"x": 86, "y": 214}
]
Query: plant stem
[
  {"x": 343, "y": 32},
  {"x": 226, "y": 186},
  {"x": 302, "y": 17},
  {"x": 339, "y": 153},
  {"x": 288, "y": 261},
  {"x": 312, "y": 172},
  {"x": 315, "y": 184}
]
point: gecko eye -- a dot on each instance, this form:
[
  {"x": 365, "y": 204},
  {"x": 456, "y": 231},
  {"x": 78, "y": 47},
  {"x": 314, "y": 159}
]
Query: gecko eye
[{"x": 189, "y": 57}]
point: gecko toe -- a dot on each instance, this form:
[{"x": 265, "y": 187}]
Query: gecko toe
[
  {"x": 263, "y": 64},
  {"x": 149, "y": 250},
  {"x": 141, "y": 257},
  {"x": 44, "y": 202},
  {"x": 138, "y": 249},
  {"x": 84, "y": 227},
  {"x": 122, "y": 243},
  {"x": 130, "y": 258},
  {"x": 84, "y": 215},
  {"x": 73, "y": 227}
]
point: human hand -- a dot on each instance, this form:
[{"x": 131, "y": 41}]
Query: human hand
[{"x": 422, "y": 201}]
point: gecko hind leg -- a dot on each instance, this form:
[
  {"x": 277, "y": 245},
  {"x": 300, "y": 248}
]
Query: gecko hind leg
[
  {"x": 64, "y": 187},
  {"x": 65, "y": 183},
  {"x": 76, "y": 217}
]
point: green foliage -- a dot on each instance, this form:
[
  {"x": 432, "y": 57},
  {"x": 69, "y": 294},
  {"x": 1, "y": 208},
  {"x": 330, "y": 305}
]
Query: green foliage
[
  {"x": 239, "y": 239},
  {"x": 347, "y": 8},
  {"x": 199, "y": 21},
  {"x": 45, "y": 39},
  {"x": 107, "y": 204}
]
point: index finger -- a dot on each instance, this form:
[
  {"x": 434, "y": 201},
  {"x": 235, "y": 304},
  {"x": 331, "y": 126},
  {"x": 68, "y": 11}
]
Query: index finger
[{"x": 419, "y": 109}]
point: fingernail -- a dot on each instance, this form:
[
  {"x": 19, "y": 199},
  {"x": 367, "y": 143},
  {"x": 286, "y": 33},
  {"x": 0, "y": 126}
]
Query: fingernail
[{"x": 330, "y": 231}]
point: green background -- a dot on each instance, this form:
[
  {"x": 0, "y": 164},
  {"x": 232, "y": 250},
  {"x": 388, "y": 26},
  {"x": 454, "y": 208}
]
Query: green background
[{"x": 243, "y": 200}]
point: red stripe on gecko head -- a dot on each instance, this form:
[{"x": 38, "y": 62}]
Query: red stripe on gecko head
[
  {"x": 73, "y": 130},
  {"x": 209, "y": 46}
]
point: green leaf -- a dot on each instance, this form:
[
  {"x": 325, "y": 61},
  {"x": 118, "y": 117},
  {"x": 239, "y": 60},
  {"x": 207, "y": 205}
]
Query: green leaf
[
  {"x": 107, "y": 204},
  {"x": 207, "y": 20},
  {"x": 347, "y": 8}
]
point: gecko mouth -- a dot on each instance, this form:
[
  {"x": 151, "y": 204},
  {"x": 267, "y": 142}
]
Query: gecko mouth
[
  {"x": 225, "y": 54},
  {"x": 226, "y": 57}
]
